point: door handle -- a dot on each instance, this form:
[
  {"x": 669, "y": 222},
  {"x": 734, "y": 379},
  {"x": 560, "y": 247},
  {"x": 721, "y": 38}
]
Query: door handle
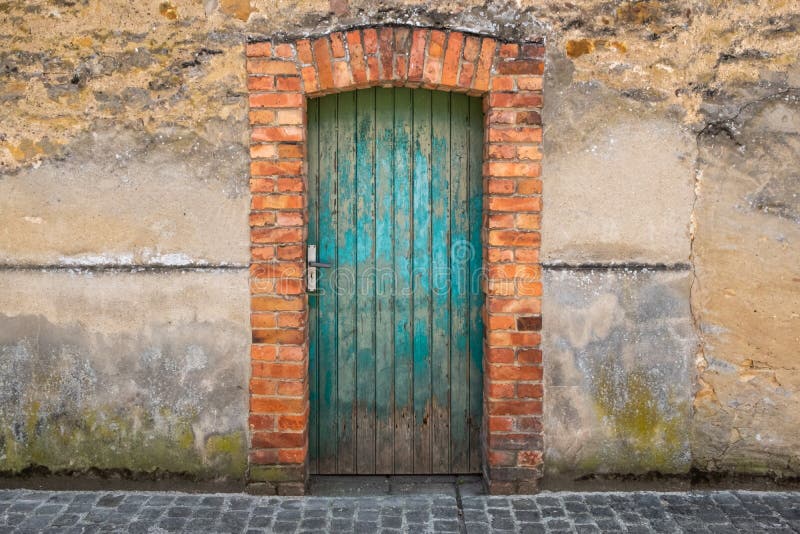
[{"x": 311, "y": 270}]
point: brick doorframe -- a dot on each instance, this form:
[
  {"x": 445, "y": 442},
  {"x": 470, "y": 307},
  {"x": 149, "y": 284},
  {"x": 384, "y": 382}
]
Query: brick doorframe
[{"x": 282, "y": 74}]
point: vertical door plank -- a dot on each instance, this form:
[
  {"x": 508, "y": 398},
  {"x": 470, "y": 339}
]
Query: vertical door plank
[
  {"x": 365, "y": 286},
  {"x": 475, "y": 266},
  {"x": 460, "y": 251},
  {"x": 403, "y": 301},
  {"x": 384, "y": 284},
  {"x": 422, "y": 282},
  {"x": 313, "y": 302},
  {"x": 440, "y": 279},
  {"x": 327, "y": 337},
  {"x": 346, "y": 281}
]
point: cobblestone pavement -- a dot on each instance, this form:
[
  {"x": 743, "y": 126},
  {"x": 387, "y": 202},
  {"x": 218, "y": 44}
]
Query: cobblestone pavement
[{"x": 26, "y": 511}]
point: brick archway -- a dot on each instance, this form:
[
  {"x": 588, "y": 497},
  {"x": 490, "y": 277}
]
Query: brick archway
[{"x": 281, "y": 76}]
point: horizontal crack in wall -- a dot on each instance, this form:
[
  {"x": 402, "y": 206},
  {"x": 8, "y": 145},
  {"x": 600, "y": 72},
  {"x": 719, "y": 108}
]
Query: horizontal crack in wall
[{"x": 632, "y": 266}]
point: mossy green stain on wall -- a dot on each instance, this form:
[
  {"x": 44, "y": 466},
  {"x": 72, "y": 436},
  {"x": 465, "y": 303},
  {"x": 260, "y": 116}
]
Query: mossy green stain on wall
[
  {"x": 108, "y": 440},
  {"x": 654, "y": 438}
]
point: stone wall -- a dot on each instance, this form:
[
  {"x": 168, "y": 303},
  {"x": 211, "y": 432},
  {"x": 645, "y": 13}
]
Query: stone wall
[{"x": 670, "y": 228}]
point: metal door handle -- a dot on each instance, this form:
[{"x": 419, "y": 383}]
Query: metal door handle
[{"x": 311, "y": 270}]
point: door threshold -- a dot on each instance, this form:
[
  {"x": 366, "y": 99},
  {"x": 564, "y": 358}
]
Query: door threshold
[{"x": 407, "y": 485}]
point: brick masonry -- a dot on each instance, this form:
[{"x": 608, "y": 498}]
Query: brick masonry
[{"x": 281, "y": 76}]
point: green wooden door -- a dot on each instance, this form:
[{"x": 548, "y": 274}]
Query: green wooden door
[{"x": 395, "y": 197}]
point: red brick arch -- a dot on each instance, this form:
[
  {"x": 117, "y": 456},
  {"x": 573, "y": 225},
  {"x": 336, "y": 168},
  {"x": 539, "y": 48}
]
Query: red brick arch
[{"x": 281, "y": 76}]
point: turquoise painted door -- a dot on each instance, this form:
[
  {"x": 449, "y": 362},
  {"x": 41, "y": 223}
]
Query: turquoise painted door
[{"x": 395, "y": 197}]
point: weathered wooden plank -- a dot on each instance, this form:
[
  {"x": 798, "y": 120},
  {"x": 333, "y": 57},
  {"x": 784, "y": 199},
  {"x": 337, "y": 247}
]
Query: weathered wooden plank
[
  {"x": 365, "y": 279},
  {"x": 313, "y": 302},
  {"x": 475, "y": 211},
  {"x": 346, "y": 281},
  {"x": 384, "y": 286},
  {"x": 327, "y": 336},
  {"x": 403, "y": 272},
  {"x": 440, "y": 279},
  {"x": 460, "y": 250},
  {"x": 422, "y": 280}
]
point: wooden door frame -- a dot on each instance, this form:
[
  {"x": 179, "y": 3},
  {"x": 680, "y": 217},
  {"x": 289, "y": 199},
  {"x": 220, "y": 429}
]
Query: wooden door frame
[{"x": 282, "y": 74}]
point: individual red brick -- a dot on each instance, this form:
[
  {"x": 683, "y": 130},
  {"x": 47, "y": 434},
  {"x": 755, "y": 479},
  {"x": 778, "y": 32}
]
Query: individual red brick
[
  {"x": 472, "y": 48},
  {"x": 515, "y": 100},
  {"x": 291, "y": 252},
  {"x": 262, "y": 253},
  {"x": 502, "y": 83},
  {"x": 484, "y": 66},
  {"x": 284, "y": 50},
  {"x": 452, "y": 56},
  {"x": 514, "y": 305},
  {"x": 513, "y": 238},
  {"x": 500, "y": 254},
  {"x": 501, "y": 187},
  {"x": 277, "y": 270},
  {"x": 508, "y": 50},
  {"x": 386, "y": 51},
  {"x": 529, "y": 186},
  {"x": 501, "y": 424},
  {"x": 501, "y": 458},
  {"x": 529, "y": 288},
  {"x": 521, "y": 67},
  {"x": 506, "y": 169},
  {"x": 342, "y": 77},
  {"x": 291, "y": 319},
  {"x": 532, "y": 51},
  {"x": 310, "y": 82},
  {"x": 292, "y": 456},
  {"x": 261, "y": 422},
  {"x": 279, "y": 336},
  {"x": 322, "y": 56},
  {"x": 275, "y": 168},
  {"x": 501, "y": 322},
  {"x": 529, "y": 356},
  {"x": 264, "y": 456},
  {"x": 289, "y": 185},
  {"x": 288, "y": 83},
  {"x": 417, "y": 56},
  {"x": 282, "y": 405},
  {"x": 260, "y": 83},
  {"x": 290, "y": 287},
  {"x": 532, "y": 152},
  {"x": 273, "y": 440},
  {"x": 400, "y": 68},
  {"x": 515, "y": 407},
  {"x": 513, "y": 339},
  {"x": 371, "y": 41},
  {"x": 263, "y": 320},
  {"x": 500, "y": 221},
  {"x": 293, "y": 422},
  {"x": 501, "y": 390},
  {"x": 515, "y": 135},
  {"x": 304, "y": 51},
  {"x": 528, "y": 221},
  {"x": 357, "y": 61},
  {"x": 467, "y": 74},
  {"x": 529, "y": 458},
  {"x": 499, "y": 355},
  {"x": 270, "y": 66},
  {"x": 276, "y": 235},
  {"x": 373, "y": 70},
  {"x": 279, "y": 369},
  {"x": 276, "y": 100},
  {"x": 532, "y": 391},
  {"x": 290, "y": 150},
  {"x": 337, "y": 45},
  {"x": 436, "y": 44},
  {"x": 263, "y": 352},
  {"x": 402, "y": 41},
  {"x": 263, "y": 386},
  {"x": 262, "y": 116},
  {"x": 290, "y": 353},
  {"x": 291, "y": 389},
  {"x": 529, "y": 83},
  {"x": 290, "y": 117},
  {"x": 259, "y": 49},
  {"x": 432, "y": 73}
]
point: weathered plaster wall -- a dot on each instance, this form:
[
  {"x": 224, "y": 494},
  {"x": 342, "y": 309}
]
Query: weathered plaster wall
[{"x": 670, "y": 229}]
